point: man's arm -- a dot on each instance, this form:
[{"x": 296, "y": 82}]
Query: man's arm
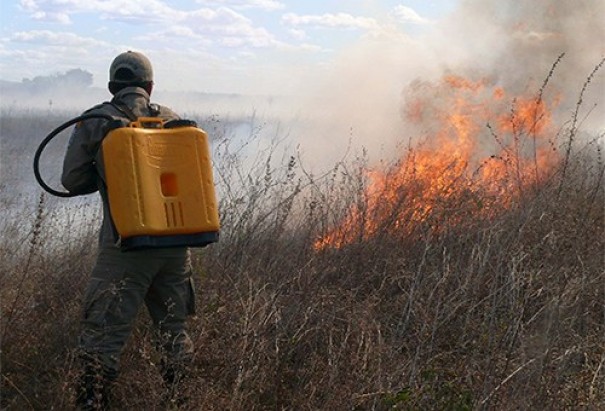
[{"x": 79, "y": 173}]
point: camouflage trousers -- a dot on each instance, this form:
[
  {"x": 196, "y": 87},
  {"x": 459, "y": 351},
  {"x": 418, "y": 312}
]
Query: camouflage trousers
[{"x": 120, "y": 284}]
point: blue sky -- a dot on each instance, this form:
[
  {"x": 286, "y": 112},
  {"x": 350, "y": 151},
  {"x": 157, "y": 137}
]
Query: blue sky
[{"x": 228, "y": 46}]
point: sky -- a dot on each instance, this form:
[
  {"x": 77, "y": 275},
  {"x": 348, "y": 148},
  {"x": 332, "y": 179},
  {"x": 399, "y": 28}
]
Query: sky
[{"x": 217, "y": 46}]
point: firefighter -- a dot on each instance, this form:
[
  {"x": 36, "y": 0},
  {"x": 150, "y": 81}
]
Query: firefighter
[{"x": 121, "y": 282}]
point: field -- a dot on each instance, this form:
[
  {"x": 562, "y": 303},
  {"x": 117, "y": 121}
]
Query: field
[{"x": 321, "y": 297}]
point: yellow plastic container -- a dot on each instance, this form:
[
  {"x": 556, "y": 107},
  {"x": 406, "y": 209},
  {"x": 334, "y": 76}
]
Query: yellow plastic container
[{"x": 160, "y": 186}]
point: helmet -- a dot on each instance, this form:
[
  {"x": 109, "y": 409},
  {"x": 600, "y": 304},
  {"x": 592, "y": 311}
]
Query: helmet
[{"x": 130, "y": 67}]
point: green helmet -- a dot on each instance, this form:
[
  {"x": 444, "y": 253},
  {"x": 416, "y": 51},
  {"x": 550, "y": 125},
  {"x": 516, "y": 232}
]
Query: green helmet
[{"x": 131, "y": 67}]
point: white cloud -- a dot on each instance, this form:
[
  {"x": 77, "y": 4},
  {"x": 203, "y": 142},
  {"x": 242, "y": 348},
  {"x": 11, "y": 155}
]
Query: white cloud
[
  {"x": 62, "y": 18},
  {"x": 222, "y": 20},
  {"x": 137, "y": 10},
  {"x": 168, "y": 36},
  {"x": 298, "y": 34},
  {"x": 144, "y": 11},
  {"x": 268, "y": 5},
  {"x": 221, "y": 26},
  {"x": 206, "y": 26},
  {"x": 306, "y": 47},
  {"x": 408, "y": 15},
  {"x": 338, "y": 20},
  {"x": 61, "y": 10},
  {"x": 54, "y": 38}
]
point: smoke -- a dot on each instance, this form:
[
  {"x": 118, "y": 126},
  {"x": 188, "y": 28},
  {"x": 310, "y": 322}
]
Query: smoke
[
  {"x": 365, "y": 94},
  {"x": 356, "y": 100},
  {"x": 517, "y": 42}
]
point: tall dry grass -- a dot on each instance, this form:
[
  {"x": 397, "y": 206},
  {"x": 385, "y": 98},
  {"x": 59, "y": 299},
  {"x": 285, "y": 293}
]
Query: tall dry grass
[{"x": 503, "y": 312}]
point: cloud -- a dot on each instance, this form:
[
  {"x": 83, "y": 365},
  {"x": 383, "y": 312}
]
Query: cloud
[
  {"x": 268, "y": 5},
  {"x": 208, "y": 27},
  {"x": 205, "y": 26},
  {"x": 298, "y": 34},
  {"x": 38, "y": 12},
  {"x": 142, "y": 11},
  {"x": 54, "y": 38},
  {"x": 61, "y": 10},
  {"x": 329, "y": 20},
  {"x": 52, "y": 17},
  {"x": 408, "y": 15}
]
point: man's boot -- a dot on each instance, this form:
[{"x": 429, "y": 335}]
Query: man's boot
[
  {"x": 173, "y": 394},
  {"x": 92, "y": 391}
]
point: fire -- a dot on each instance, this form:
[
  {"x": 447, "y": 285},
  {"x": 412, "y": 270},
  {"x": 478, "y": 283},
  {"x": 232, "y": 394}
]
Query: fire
[{"x": 463, "y": 171}]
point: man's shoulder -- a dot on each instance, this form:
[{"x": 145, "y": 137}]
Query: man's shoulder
[{"x": 99, "y": 108}]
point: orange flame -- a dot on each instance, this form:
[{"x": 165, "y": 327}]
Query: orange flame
[{"x": 464, "y": 170}]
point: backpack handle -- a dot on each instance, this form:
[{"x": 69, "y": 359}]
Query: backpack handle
[{"x": 147, "y": 122}]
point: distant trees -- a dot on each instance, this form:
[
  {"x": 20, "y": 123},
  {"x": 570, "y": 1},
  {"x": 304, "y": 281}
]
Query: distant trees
[
  {"x": 75, "y": 78},
  {"x": 61, "y": 90}
]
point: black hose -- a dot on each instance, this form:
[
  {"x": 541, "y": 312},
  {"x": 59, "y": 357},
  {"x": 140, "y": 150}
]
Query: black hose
[{"x": 47, "y": 140}]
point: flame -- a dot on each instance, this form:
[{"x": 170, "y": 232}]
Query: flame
[{"x": 463, "y": 171}]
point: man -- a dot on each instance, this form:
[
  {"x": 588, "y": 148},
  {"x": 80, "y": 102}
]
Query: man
[{"x": 123, "y": 281}]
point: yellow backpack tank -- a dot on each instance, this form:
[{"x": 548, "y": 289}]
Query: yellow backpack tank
[{"x": 159, "y": 184}]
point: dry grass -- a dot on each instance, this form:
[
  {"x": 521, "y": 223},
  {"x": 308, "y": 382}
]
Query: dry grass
[{"x": 504, "y": 312}]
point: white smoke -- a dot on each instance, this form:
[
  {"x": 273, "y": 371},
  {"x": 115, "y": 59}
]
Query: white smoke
[{"x": 517, "y": 42}]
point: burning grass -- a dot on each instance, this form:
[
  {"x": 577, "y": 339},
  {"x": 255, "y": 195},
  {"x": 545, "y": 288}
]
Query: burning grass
[
  {"x": 464, "y": 292},
  {"x": 464, "y": 170}
]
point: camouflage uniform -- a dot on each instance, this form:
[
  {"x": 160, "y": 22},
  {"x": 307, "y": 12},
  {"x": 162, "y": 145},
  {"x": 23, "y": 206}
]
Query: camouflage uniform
[{"x": 122, "y": 281}]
